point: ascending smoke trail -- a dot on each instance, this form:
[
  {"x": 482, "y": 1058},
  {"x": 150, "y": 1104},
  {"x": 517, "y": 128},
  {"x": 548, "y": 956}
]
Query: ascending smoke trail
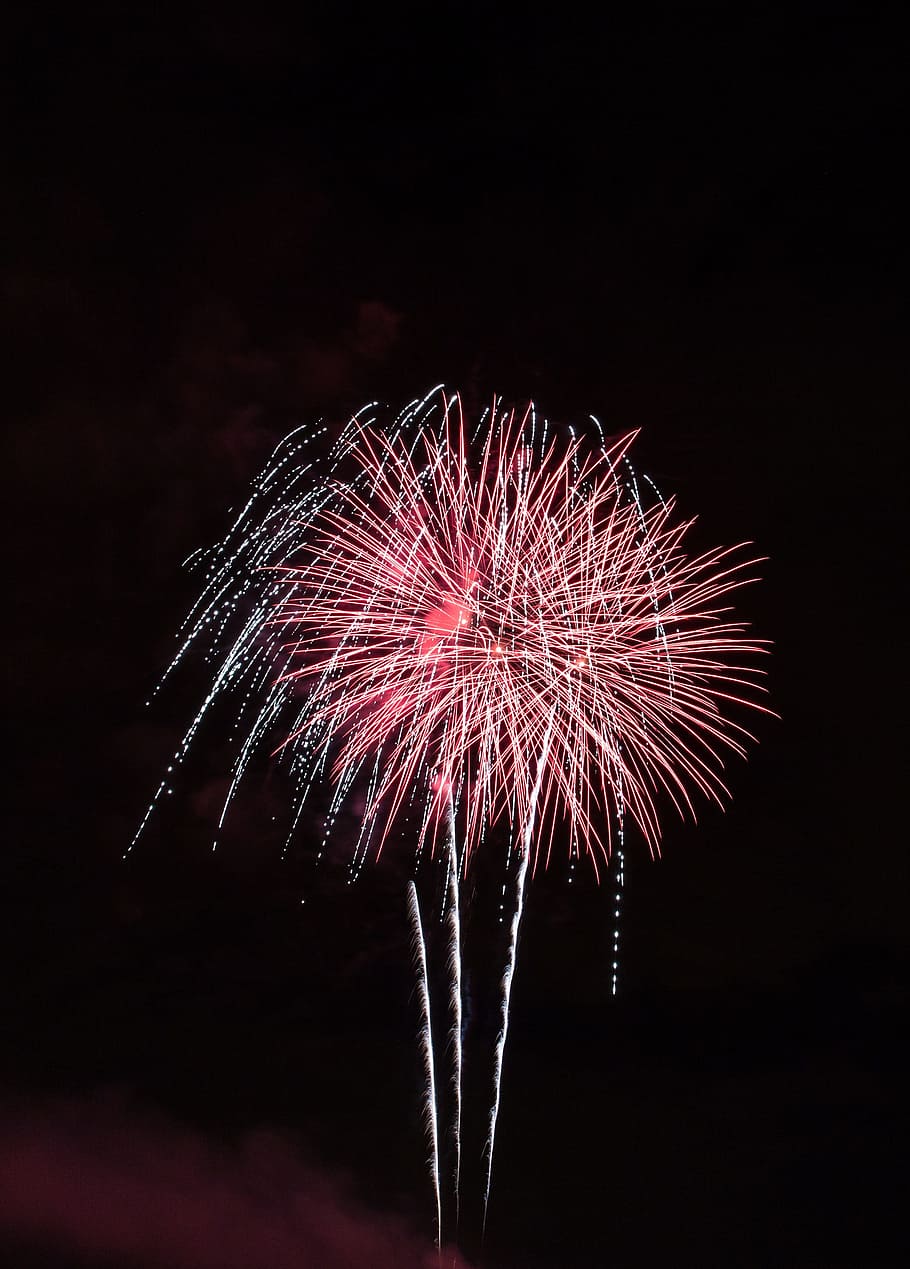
[
  {"x": 455, "y": 999},
  {"x": 513, "y": 951},
  {"x": 426, "y": 1040}
]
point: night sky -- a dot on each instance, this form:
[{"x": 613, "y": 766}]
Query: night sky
[{"x": 221, "y": 224}]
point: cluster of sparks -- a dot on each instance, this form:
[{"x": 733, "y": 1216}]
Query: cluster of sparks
[{"x": 473, "y": 626}]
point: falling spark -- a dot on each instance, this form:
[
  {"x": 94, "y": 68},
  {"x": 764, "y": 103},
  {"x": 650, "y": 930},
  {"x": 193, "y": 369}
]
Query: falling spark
[
  {"x": 431, "y": 1112},
  {"x": 455, "y": 997},
  {"x": 510, "y": 964}
]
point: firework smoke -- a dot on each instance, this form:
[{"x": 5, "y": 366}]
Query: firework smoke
[{"x": 102, "y": 1181}]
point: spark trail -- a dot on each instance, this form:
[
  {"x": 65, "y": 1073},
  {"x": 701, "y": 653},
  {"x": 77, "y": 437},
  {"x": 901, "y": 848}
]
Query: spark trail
[
  {"x": 455, "y": 1005},
  {"x": 431, "y": 1109},
  {"x": 517, "y": 912}
]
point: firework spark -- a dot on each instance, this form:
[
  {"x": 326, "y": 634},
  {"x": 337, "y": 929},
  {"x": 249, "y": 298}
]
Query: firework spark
[
  {"x": 472, "y": 627},
  {"x": 426, "y": 1043},
  {"x": 455, "y": 1005},
  {"x": 542, "y": 759}
]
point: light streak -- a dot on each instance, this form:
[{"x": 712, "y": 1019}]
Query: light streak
[
  {"x": 431, "y": 1111},
  {"x": 455, "y": 999},
  {"x": 507, "y": 977}
]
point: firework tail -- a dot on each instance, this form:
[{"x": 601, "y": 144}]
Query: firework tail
[
  {"x": 455, "y": 990},
  {"x": 510, "y": 961},
  {"x": 426, "y": 1041}
]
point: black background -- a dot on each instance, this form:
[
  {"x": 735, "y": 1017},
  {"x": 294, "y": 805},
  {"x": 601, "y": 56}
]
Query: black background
[{"x": 219, "y": 224}]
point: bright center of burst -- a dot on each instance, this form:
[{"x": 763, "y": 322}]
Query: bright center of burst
[{"x": 452, "y": 616}]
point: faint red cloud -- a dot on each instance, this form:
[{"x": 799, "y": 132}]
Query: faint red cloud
[{"x": 105, "y": 1181}]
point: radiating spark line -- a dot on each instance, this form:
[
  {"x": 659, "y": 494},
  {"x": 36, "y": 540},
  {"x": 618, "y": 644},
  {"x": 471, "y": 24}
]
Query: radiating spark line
[{"x": 431, "y": 1111}]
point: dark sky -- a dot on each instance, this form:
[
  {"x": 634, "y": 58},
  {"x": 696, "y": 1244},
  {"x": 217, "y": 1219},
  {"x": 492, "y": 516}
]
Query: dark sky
[{"x": 220, "y": 224}]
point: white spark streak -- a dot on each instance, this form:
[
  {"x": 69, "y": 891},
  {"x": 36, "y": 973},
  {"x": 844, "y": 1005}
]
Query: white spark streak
[
  {"x": 455, "y": 998},
  {"x": 513, "y": 952},
  {"x": 431, "y": 1112}
]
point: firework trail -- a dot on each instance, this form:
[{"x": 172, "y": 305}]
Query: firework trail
[
  {"x": 463, "y": 627},
  {"x": 510, "y": 963},
  {"x": 454, "y": 968},
  {"x": 426, "y": 1044}
]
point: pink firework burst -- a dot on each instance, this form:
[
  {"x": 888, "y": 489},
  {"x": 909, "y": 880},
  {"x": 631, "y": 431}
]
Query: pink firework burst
[
  {"x": 498, "y": 628},
  {"x": 474, "y": 627}
]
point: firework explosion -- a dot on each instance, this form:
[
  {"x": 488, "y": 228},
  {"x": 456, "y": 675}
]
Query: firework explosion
[{"x": 474, "y": 627}]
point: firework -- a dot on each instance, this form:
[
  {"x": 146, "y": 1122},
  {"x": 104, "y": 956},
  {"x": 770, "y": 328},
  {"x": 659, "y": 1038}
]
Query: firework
[{"x": 472, "y": 627}]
